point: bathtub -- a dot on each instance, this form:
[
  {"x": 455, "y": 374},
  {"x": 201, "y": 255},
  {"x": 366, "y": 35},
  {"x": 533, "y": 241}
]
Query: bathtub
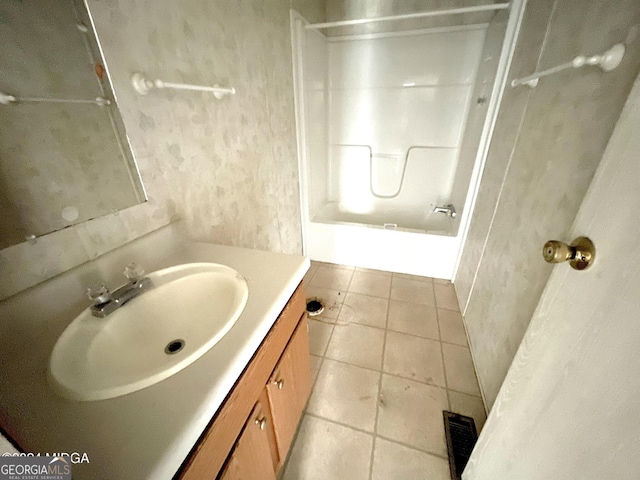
[
  {"x": 388, "y": 127},
  {"x": 384, "y": 240}
]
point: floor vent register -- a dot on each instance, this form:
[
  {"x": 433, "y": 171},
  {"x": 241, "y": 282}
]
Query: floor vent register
[{"x": 461, "y": 438}]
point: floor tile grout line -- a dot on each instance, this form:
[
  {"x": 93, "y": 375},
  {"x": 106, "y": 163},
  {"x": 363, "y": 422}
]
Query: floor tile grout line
[
  {"x": 383, "y": 437},
  {"x": 334, "y": 265},
  {"x": 345, "y": 295},
  {"x": 424, "y": 338},
  {"x": 382, "y": 273},
  {"x": 352, "y": 364},
  {"x": 449, "y": 309},
  {"x": 413, "y": 447},
  {"x": 406, "y": 276},
  {"x": 333, "y": 323},
  {"x": 333, "y": 327},
  {"x": 395, "y": 375},
  {"x": 322, "y": 362},
  {"x": 357, "y": 429},
  {"x": 433, "y": 292},
  {"x": 367, "y": 295},
  {"x": 315, "y": 381},
  {"x": 307, "y": 283},
  {"x": 444, "y": 367},
  {"x": 311, "y": 284},
  {"x": 372, "y": 456},
  {"x": 389, "y": 298},
  {"x": 375, "y": 421},
  {"x": 323, "y": 357},
  {"x": 465, "y": 393},
  {"x": 417, "y": 278}
]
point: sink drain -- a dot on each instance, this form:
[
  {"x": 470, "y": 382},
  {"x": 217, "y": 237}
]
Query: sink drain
[
  {"x": 174, "y": 347},
  {"x": 315, "y": 306}
]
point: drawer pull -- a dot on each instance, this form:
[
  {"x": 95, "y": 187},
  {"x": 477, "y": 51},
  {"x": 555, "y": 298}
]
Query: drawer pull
[
  {"x": 261, "y": 422},
  {"x": 279, "y": 383}
]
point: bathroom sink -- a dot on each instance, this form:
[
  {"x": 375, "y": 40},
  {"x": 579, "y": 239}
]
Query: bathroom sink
[{"x": 188, "y": 309}]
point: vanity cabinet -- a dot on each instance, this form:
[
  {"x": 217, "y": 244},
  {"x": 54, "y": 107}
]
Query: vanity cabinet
[
  {"x": 250, "y": 436},
  {"x": 289, "y": 388}
]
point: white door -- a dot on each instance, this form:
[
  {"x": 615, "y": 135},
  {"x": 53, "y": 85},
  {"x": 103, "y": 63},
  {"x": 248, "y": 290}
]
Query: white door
[{"x": 570, "y": 405}]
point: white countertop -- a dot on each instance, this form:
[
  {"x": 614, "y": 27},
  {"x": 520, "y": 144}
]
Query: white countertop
[{"x": 146, "y": 434}]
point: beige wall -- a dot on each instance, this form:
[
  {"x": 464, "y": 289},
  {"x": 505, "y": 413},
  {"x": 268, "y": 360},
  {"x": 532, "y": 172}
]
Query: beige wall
[
  {"x": 569, "y": 406},
  {"x": 228, "y": 168},
  {"x": 546, "y": 146}
]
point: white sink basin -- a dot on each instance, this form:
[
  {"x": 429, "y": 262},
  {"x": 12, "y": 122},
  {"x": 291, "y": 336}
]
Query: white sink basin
[{"x": 130, "y": 349}]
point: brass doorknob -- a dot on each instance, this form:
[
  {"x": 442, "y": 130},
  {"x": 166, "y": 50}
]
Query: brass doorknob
[{"x": 580, "y": 254}]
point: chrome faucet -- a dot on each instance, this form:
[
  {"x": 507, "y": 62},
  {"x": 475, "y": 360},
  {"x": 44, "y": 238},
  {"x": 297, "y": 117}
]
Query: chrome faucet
[
  {"x": 106, "y": 302},
  {"x": 449, "y": 209}
]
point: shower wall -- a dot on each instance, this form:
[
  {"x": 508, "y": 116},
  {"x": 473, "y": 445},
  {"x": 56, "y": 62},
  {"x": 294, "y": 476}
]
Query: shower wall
[
  {"x": 397, "y": 110},
  {"x": 316, "y": 118},
  {"x": 349, "y": 9},
  {"x": 478, "y": 110},
  {"x": 383, "y": 118}
]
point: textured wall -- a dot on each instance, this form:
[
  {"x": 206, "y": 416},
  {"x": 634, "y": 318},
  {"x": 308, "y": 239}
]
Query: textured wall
[
  {"x": 546, "y": 146},
  {"x": 229, "y": 167},
  {"x": 569, "y": 407}
]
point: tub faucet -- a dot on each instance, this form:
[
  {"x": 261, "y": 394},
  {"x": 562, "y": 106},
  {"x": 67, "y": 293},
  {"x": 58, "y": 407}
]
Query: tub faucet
[
  {"x": 106, "y": 302},
  {"x": 449, "y": 209}
]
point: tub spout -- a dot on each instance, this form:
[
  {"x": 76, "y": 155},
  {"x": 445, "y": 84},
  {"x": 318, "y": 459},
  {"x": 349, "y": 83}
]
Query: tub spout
[{"x": 448, "y": 209}]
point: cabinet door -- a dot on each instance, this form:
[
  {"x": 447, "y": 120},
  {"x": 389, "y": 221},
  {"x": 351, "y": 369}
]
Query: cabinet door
[
  {"x": 289, "y": 388},
  {"x": 251, "y": 458}
]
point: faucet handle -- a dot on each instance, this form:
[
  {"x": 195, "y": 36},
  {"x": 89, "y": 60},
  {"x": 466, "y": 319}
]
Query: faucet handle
[
  {"x": 98, "y": 293},
  {"x": 134, "y": 272}
]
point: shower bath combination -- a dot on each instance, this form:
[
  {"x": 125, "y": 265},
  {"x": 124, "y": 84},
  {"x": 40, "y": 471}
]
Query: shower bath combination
[{"x": 390, "y": 127}]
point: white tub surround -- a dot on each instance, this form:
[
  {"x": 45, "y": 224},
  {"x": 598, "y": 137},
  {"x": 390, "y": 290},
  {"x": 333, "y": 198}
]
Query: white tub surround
[
  {"x": 382, "y": 139},
  {"x": 146, "y": 434},
  {"x": 380, "y": 249}
]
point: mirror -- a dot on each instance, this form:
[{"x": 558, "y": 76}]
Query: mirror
[{"x": 64, "y": 154}]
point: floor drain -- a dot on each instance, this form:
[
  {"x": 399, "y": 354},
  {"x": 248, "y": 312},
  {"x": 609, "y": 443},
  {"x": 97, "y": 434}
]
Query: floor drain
[
  {"x": 174, "y": 347},
  {"x": 315, "y": 306}
]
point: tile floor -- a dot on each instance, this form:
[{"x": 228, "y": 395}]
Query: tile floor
[{"x": 389, "y": 353}]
